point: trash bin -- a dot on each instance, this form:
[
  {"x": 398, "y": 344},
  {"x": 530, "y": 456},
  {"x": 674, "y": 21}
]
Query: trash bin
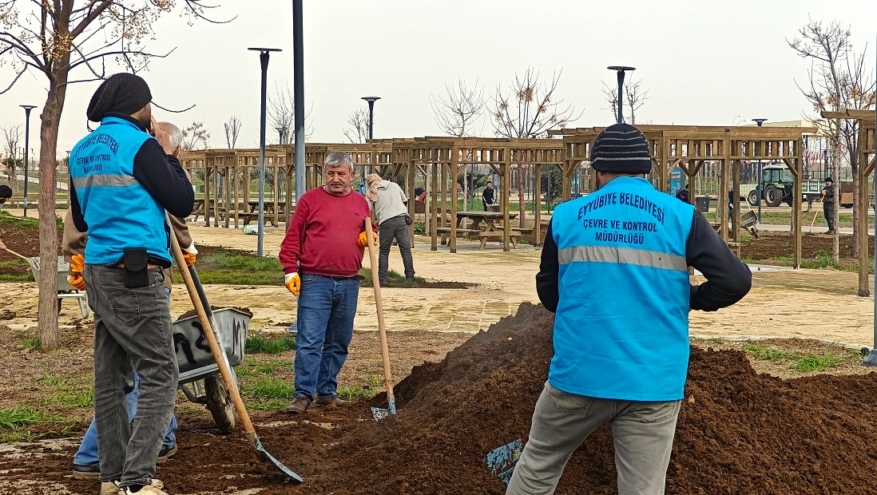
[{"x": 703, "y": 204}]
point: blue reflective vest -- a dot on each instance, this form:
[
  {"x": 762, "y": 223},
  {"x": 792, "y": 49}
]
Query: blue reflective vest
[
  {"x": 119, "y": 212},
  {"x": 621, "y": 326}
]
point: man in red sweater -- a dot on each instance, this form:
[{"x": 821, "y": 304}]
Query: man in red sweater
[{"x": 321, "y": 257}]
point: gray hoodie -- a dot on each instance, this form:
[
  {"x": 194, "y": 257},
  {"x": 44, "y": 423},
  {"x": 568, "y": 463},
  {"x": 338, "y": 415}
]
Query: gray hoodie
[{"x": 390, "y": 203}]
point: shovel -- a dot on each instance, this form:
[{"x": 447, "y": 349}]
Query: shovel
[
  {"x": 199, "y": 301},
  {"x": 25, "y": 258},
  {"x": 377, "y": 412}
]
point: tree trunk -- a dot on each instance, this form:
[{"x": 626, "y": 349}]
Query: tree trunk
[{"x": 48, "y": 283}]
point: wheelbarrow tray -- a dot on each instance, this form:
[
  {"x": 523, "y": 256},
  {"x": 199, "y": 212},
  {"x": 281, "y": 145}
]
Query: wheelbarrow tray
[
  {"x": 748, "y": 219},
  {"x": 194, "y": 358},
  {"x": 65, "y": 289}
]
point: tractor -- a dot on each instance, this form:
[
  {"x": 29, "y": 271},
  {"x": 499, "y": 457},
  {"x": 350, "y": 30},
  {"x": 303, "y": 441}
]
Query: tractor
[{"x": 778, "y": 184}]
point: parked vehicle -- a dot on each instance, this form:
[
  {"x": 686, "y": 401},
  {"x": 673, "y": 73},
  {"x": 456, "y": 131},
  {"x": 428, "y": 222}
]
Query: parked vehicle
[{"x": 778, "y": 183}]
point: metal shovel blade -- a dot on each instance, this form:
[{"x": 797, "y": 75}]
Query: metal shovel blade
[
  {"x": 279, "y": 465},
  {"x": 380, "y": 414},
  {"x": 501, "y": 460}
]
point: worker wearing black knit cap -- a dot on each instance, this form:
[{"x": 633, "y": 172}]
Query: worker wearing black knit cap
[
  {"x": 122, "y": 181},
  {"x": 614, "y": 270}
]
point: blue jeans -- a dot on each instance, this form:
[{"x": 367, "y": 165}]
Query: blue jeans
[
  {"x": 88, "y": 450},
  {"x": 326, "y": 308}
]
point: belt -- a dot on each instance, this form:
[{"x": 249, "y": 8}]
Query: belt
[
  {"x": 149, "y": 266},
  {"x": 333, "y": 278}
]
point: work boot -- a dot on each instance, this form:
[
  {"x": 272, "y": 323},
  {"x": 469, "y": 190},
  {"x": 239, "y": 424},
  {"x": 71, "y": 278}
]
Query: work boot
[
  {"x": 86, "y": 471},
  {"x": 331, "y": 402},
  {"x": 112, "y": 487},
  {"x": 165, "y": 453},
  {"x": 298, "y": 405}
]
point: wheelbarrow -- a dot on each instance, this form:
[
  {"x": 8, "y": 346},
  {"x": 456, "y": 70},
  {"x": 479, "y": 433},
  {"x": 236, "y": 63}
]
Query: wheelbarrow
[
  {"x": 748, "y": 220},
  {"x": 65, "y": 290},
  {"x": 199, "y": 374}
]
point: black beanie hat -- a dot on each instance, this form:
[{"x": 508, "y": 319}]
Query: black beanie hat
[
  {"x": 828, "y": 179},
  {"x": 5, "y": 192},
  {"x": 122, "y": 93},
  {"x": 621, "y": 148}
]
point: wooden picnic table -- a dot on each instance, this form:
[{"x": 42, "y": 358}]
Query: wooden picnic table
[
  {"x": 269, "y": 206},
  {"x": 483, "y": 224}
]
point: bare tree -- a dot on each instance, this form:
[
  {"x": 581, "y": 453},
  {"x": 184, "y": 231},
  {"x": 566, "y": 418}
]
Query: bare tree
[
  {"x": 232, "y": 130},
  {"x": 10, "y": 149},
  {"x": 357, "y": 126},
  {"x": 196, "y": 137},
  {"x": 56, "y": 39},
  {"x": 838, "y": 80},
  {"x": 281, "y": 115},
  {"x": 458, "y": 109},
  {"x": 634, "y": 98},
  {"x": 529, "y": 110}
]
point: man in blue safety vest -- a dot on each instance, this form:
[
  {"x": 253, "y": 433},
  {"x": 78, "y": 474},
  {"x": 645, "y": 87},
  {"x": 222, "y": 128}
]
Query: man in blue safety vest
[
  {"x": 122, "y": 180},
  {"x": 614, "y": 270}
]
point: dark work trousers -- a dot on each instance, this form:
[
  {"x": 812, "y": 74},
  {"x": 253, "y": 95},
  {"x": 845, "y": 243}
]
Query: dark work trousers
[
  {"x": 395, "y": 229},
  {"x": 828, "y": 212},
  {"x": 132, "y": 328}
]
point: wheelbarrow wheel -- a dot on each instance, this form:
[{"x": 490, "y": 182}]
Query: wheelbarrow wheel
[{"x": 219, "y": 403}]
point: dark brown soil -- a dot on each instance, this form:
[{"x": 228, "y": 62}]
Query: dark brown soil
[
  {"x": 772, "y": 245},
  {"x": 24, "y": 240},
  {"x": 738, "y": 432}
]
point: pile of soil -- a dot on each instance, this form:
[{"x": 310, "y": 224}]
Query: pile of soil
[{"x": 738, "y": 432}]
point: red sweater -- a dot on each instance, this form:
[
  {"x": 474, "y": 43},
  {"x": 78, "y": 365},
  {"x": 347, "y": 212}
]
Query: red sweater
[{"x": 322, "y": 236}]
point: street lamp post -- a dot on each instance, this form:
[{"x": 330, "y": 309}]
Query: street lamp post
[
  {"x": 371, "y": 114},
  {"x": 760, "y": 180},
  {"x": 264, "y": 54},
  {"x": 27, "y": 109},
  {"x": 620, "y": 70}
]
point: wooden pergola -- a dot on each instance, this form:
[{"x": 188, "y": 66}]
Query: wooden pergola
[
  {"x": 689, "y": 147},
  {"x": 442, "y": 159},
  {"x": 867, "y": 158}
]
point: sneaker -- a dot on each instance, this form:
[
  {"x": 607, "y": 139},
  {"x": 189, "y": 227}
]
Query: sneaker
[
  {"x": 112, "y": 488},
  {"x": 331, "y": 402},
  {"x": 155, "y": 487},
  {"x": 298, "y": 405},
  {"x": 109, "y": 488},
  {"x": 165, "y": 453},
  {"x": 87, "y": 471}
]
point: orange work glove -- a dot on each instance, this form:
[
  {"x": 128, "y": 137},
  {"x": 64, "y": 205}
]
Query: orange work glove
[
  {"x": 77, "y": 264},
  {"x": 77, "y": 281},
  {"x": 190, "y": 254},
  {"x": 293, "y": 283},
  {"x": 363, "y": 240}
]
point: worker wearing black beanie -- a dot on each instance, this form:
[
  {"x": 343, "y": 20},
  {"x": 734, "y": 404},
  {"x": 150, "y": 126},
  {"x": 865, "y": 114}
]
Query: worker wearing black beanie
[
  {"x": 122, "y": 181},
  {"x": 120, "y": 93}
]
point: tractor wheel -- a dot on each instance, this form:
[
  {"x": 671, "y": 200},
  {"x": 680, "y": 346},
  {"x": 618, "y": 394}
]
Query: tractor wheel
[
  {"x": 753, "y": 197},
  {"x": 219, "y": 403},
  {"x": 772, "y": 195}
]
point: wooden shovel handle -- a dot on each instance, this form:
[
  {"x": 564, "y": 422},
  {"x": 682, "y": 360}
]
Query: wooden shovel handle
[
  {"x": 207, "y": 329},
  {"x": 382, "y": 330}
]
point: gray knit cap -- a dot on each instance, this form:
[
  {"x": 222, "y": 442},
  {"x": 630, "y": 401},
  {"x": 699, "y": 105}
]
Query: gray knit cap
[{"x": 621, "y": 148}]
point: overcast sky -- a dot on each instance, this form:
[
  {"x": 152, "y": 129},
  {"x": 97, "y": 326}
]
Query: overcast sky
[{"x": 702, "y": 61}]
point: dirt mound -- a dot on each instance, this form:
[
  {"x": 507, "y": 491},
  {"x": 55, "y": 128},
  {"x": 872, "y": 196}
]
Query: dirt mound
[{"x": 738, "y": 431}]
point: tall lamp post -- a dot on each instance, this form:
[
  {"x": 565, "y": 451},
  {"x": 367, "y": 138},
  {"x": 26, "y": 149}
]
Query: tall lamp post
[
  {"x": 371, "y": 114},
  {"x": 758, "y": 122},
  {"x": 27, "y": 109},
  {"x": 620, "y": 70},
  {"x": 264, "y": 55}
]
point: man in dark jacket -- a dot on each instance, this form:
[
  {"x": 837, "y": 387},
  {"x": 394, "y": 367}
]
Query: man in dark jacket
[
  {"x": 828, "y": 204},
  {"x": 487, "y": 196},
  {"x": 614, "y": 271}
]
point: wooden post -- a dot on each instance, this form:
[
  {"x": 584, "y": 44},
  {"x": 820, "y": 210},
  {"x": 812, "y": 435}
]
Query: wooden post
[
  {"x": 537, "y": 204},
  {"x": 433, "y": 207},
  {"x": 206, "y": 194},
  {"x": 505, "y": 196},
  {"x": 862, "y": 199},
  {"x": 452, "y": 243}
]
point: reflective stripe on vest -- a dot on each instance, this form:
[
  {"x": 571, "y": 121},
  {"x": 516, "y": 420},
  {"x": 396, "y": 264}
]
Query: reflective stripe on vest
[{"x": 627, "y": 256}]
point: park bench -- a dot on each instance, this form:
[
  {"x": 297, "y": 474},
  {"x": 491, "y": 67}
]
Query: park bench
[
  {"x": 735, "y": 246},
  {"x": 484, "y": 235},
  {"x": 249, "y": 217}
]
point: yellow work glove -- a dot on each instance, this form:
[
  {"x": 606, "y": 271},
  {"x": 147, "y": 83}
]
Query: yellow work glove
[
  {"x": 363, "y": 239},
  {"x": 293, "y": 283},
  {"x": 77, "y": 264}
]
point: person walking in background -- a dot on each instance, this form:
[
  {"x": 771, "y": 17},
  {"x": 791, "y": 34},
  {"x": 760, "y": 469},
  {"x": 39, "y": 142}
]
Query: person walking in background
[
  {"x": 828, "y": 204},
  {"x": 487, "y": 196},
  {"x": 388, "y": 202},
  {"x": 122, "y": 180},
  {"x": 86, "y": 460},
  {"x": 321, "y": 256},
  {"x": 621, "y": 346}
]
